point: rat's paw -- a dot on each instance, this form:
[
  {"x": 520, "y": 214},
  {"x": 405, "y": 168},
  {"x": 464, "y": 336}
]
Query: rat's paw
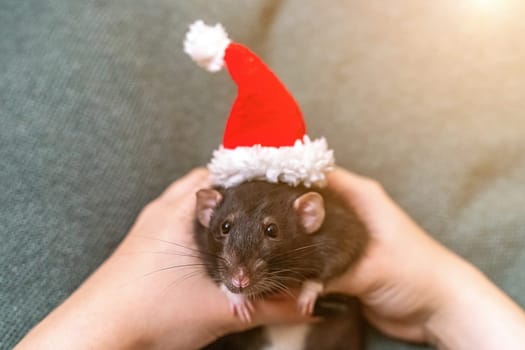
[
  {"x": 242, "y": 308},
  {"x": 306, "y": 304},
  {"x": 240, "y": 305},
  {"x": 309, "y": 292}
]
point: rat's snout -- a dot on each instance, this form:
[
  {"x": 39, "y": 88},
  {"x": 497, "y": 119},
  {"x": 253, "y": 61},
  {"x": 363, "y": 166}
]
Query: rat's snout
[{"x": 240, "y": 278}]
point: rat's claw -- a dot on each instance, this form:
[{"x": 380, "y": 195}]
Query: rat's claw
[
  {"x": 249, "y": 305},
  {"x": 242, "y": 311},
  {"x": 239, "y": 305},
  {"x": 309, "y": 292},
  {"x": 247, "y": 314},
  {"x": 306, "y": 307}
]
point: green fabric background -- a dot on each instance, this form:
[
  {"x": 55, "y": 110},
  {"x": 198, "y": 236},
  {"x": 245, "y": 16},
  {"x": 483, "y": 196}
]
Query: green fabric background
[{"x": 100, "y": 110}]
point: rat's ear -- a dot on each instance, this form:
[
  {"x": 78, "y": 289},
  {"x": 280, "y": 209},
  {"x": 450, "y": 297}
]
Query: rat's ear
[
  {"x": 207, "y": 201},
  {"x": 310, "y": 207}
]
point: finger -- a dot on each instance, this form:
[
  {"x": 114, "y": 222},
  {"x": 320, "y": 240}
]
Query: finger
[
  {"x": 340, "y": 176},
  {"x": 361, "y": 279},
  {"x": 362, "y": 194},
  {"x": 395, "y": 328},
  {"x": 350, "y": 283},
  {"x": 342, "y": 180},
  {"x": 195, "y": 179},
  {"x": 283, "y": 310}
]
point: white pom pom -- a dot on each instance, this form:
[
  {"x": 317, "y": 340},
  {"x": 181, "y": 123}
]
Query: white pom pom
[{"x": 206, "y": 45}]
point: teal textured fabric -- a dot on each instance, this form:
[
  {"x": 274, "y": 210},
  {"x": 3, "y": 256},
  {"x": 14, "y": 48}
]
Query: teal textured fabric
[{"x": 100, "y": 110}]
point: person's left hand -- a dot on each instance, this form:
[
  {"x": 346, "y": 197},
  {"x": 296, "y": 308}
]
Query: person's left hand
[{"x": 153, "y": 292}]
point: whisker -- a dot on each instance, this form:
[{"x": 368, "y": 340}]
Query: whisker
[
  {"x": 297, "y": 252},
  {"x": 180, "y": 279},
  {"x": 165, "y": 241},
  {"x": 177, "y": 244},
  {"x": 173, "y": 267},
  {"x": 269, "y": 285},
  {"x": 174, "y": 253}
]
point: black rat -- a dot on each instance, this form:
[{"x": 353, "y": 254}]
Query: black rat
[{"x": 260, "y": 238}]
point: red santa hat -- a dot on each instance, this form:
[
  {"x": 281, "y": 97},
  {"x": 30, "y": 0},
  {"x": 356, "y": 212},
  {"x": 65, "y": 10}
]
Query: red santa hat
[{"x": 265, "y": 136}]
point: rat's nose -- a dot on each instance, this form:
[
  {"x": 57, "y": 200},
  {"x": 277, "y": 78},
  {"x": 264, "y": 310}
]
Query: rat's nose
[{"x": 240, "y": 279}]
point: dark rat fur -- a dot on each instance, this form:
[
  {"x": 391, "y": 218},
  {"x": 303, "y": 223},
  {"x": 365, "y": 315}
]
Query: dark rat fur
[
  {"x": 287, "y": 257},
  {"x": 291, "y": 252}
]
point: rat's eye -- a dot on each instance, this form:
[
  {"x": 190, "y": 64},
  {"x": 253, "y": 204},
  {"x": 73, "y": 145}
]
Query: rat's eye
[
  {"x": 271, "y": 230},
  {"x": 226, "y": 227}
]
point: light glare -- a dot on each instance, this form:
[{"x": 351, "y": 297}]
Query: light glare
[{"x": 488, "y": 5}]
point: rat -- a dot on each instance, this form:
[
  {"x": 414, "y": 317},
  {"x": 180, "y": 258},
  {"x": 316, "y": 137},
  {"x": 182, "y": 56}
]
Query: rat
[{"x": 260, "y": 238}]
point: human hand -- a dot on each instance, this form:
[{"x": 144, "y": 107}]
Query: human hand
[
  {"x": 413, "y": 288},
  {"x": 153, "y": 291},
  {"x": 393, "y": 278}
]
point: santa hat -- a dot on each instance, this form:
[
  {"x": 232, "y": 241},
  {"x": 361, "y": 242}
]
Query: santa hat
[{"x": 265, "y": 136}]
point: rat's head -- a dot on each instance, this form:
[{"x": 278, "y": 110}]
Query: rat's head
[{"x": 259, "y": 236}]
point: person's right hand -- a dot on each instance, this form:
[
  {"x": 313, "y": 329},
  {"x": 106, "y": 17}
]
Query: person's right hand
[{"x": 413, "y": 288}]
